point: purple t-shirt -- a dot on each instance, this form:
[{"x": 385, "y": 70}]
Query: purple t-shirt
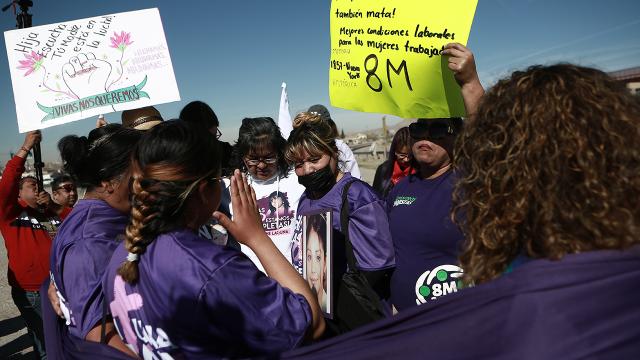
[
  {"x": 195, "y": 299},
  {"x": 79, "y": 257},
  {"x": 368, "y": 225},
  {"x": 425, "y": 240}
]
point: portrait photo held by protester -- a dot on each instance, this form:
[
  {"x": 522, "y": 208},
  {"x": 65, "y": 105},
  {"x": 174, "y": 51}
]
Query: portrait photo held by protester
[{"x": 316, "y": 259}]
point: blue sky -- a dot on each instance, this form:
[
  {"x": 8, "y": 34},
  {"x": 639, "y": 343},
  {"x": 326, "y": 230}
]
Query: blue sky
[{"x": 235, "y": 54}]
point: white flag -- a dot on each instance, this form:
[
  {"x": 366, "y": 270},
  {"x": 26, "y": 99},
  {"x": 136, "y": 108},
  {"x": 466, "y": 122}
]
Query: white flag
[{"x": 284, "y": 117}]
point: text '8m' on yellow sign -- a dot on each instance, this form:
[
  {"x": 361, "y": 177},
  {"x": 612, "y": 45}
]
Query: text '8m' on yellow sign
[{"x": 386, "y": 56}]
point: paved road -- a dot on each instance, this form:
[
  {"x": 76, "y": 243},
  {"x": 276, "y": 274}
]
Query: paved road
[{"x": 14, "y": 342}]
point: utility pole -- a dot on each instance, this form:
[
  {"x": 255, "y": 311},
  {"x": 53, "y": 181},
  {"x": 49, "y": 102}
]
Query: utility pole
[{"x": 384, "y": 135}]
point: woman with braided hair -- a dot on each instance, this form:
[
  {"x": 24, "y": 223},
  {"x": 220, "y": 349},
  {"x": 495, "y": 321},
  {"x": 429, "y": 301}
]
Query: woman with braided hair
[{"x": 173, "y": 294}]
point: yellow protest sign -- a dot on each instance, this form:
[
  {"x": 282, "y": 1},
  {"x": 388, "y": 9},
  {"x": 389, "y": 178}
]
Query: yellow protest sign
[{"x": 386, "y": 55}]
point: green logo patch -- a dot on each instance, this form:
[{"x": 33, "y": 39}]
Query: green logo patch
[{"x": 403, "y": 200}]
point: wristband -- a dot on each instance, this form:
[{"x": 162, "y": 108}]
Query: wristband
[{"x": 25, "y": 149}]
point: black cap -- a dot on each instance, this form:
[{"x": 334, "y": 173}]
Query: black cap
[{"x": 320, "y": 110}]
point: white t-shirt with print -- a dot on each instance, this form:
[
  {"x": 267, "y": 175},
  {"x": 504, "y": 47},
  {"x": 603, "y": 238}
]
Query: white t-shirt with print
[{"x": 277, "y": 201}]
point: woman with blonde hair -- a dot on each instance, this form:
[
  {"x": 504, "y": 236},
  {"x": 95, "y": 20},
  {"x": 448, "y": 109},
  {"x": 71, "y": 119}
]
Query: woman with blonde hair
[{"x": 366, "y": 242}]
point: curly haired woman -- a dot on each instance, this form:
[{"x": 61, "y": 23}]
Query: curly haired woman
[
  {"x": 547, "y": 197},
  {"x": 554, "y": 173}
]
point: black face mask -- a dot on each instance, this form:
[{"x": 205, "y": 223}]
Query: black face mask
[{"x": 319, "y": 182}]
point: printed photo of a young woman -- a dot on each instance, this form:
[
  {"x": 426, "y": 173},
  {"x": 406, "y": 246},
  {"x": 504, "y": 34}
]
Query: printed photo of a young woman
[{"x": 316, "y": 250}]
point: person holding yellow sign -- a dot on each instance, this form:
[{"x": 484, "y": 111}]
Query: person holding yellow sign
[{"x": 426, "y": 242}]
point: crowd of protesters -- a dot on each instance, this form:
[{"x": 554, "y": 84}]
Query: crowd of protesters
[{"x": 492, "y": 236}]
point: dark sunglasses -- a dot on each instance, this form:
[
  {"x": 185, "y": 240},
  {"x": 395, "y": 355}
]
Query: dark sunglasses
[
  {"x": 67, "y": 187},
  {"x": 434, "y": 130}
]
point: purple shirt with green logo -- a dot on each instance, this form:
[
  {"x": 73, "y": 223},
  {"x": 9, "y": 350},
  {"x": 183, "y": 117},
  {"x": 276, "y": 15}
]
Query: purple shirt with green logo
[
  {"x": 426, "y": 242},
  {"x": 198, "y": 300}
]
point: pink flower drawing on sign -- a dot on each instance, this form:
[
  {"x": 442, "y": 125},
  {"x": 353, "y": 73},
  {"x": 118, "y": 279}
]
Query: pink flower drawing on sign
[
  {"x": 121, "y": 41},
  {"x": 33, "y": 62}
]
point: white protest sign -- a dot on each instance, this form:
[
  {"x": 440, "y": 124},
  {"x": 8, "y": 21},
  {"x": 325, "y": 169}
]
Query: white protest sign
[{"x": 76, "y": 69}]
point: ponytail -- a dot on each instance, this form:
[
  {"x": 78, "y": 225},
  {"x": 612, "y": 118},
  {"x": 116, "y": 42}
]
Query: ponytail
[{"x": 103, "y": 156}]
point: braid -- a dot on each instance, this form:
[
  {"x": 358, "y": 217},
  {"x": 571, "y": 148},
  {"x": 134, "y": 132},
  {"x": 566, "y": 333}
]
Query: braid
[
  {"x": 157, "y": 207},
  {"x": 134, "y": 241},
  {"x": 167, "y": 166}
]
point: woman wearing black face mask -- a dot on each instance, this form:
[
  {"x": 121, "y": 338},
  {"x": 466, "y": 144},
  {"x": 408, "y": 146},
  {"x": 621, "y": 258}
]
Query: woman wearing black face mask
[{"x": 312, "y": 150}]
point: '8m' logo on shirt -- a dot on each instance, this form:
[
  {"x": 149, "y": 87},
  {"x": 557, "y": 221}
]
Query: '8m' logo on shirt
[{"x": 442, "y": 280}]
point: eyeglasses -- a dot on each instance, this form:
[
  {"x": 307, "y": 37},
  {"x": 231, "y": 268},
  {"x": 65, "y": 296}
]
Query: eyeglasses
[
  {"x": 67, "y": 187},
  {"x": 433, "y": 130},
  {"x": 218, "y": 134},
  {"x": 255, "y": 162}
]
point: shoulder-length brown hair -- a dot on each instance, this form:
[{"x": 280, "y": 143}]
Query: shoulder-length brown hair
[{"x": 550, "y": 165}]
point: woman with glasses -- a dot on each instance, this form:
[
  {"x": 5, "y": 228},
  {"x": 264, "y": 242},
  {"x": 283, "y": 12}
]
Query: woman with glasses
[
  {"x": 426, "y": 242},
  {"x": 314, "y": 153},
  {"x": 397, "y": 166},
  {"x": 94, "y": 228},
  {"x": 259, "y": 152},
  {"x": 173, "y": 295}
]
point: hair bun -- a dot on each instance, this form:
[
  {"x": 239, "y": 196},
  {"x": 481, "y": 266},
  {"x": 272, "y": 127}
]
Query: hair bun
[
  {"x": 73, "y": 151},
  {"x": 308, "y": 118}
]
